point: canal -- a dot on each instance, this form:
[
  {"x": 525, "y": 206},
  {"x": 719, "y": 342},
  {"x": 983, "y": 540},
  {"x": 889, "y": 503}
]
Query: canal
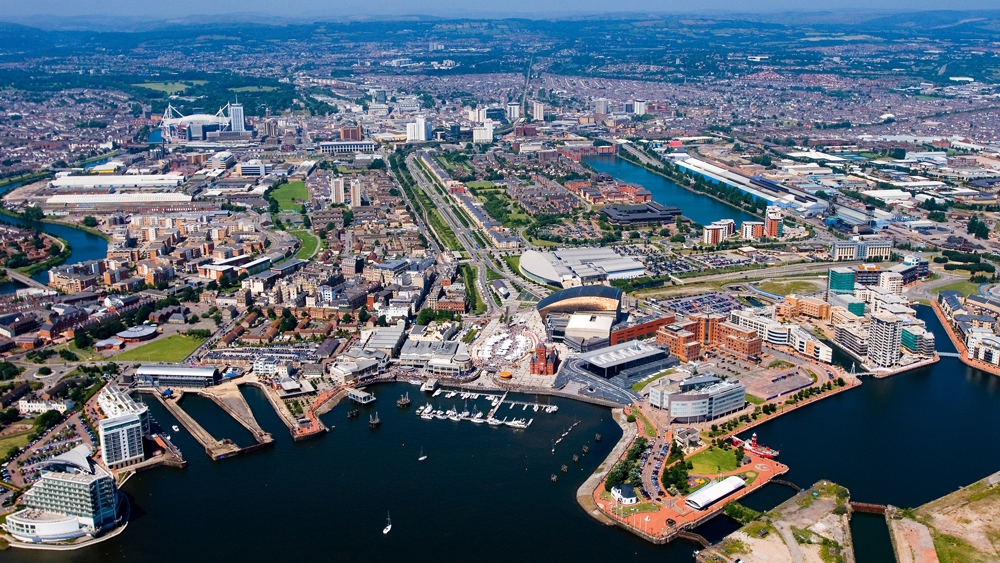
[
  {"x": 698, "y": 207},
  {"x": 86, "y": 246}
]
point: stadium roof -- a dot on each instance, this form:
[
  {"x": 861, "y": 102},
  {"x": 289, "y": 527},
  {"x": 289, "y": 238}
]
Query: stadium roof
[{"x": 601, "y": 291}]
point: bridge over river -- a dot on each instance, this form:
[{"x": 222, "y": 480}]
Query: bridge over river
[{"x": 26, "y": 280}]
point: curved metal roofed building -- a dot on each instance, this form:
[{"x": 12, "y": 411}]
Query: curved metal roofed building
[{"x": 583, "y": 298}]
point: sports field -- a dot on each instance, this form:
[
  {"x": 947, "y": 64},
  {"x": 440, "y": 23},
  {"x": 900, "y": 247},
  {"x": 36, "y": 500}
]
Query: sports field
[
  {"x": 288, "y": 193},
  {"x": 169, "y": 87}
]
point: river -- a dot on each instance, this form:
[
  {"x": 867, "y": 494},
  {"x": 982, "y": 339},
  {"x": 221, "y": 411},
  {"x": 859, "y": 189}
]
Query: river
[
  {"x": 86, "y": 246},
  {"x": 698, "y": 207}
]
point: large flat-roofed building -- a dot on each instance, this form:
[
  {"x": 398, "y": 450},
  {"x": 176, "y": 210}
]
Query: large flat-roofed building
[
  {"x": 418, "y": 353},
  {"x": 840, "y": 281},
  {"x": 579, "y": 266},
  {"x": 798, "y": 306},
  {"x": 343, "y": 147},
  {"x": 121, "y": 440},
  {"x": 582, "y": 299},
  {"x": 650, "y": 212},
  {"x": 118, "y": 182},
  {"x": 623, "y": 359},
  {"x": 861, "y": 249},
  {"x": 176, "y": 376},
  {"x": 123, "y": 198}
]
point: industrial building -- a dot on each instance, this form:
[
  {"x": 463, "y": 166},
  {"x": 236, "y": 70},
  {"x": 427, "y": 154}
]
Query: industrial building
[{"x": 117, "y": 182}]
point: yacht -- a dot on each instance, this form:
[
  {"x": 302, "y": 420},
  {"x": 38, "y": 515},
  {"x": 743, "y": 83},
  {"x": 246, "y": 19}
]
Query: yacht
[
  {"x": 388, "y": 524},
  {"x": 175, "y": 428},
  {"x": 438, "y": 414},
  {"x": 422, "y": 456},
  {"x": 536, "y": 408},
  {"x": 450, "y": 395},
  {"x": 494, "y": 421}
]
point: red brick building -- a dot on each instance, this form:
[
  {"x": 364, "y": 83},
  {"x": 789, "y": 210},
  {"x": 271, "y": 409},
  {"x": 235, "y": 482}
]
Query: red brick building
[{"x": 544, "y": 360}]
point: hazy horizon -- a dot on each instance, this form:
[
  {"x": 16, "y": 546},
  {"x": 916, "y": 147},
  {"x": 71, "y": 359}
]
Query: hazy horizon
[{"x": 180, "y": 9}]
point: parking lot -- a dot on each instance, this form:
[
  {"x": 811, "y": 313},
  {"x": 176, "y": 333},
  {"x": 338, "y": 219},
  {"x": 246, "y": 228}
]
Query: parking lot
[{"x": 700, "y": 303}]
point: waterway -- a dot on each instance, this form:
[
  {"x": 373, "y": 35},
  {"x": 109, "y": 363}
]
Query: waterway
[
  {"x": 484, "y": 493},
  {"x": 86, "y": 246},
  {"x": 698, "y": 207}
]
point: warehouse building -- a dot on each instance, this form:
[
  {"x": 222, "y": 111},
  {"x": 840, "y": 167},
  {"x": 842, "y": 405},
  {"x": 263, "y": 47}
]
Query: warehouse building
[{"x": 175, "y": 376}]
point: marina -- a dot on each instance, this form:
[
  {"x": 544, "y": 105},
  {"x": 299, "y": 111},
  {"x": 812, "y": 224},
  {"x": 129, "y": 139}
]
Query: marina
[{"x": 476, "y": 416}]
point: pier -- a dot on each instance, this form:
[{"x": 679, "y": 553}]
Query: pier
[
  {"x": 229, "y": 398},
  {"x": 216, "y": 449},
  {"x": 301, "y": 428}
]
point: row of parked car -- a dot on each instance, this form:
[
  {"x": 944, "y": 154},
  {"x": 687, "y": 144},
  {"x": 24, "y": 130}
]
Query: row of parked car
[{"x": 658, "y": 460}]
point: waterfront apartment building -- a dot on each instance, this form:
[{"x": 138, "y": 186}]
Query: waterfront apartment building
[
  {"x": 713, "y": 234},
  {"x": 773, "y": 225},
  {"x": 808, "y": 345},
  {"x": 852, "y": 336},
  {"x": 919, "y": 340},
  {"x": 885, "y": 339},
  {"x": 752, "y": 230},
  {"x": 76, "y": 498},
  {"x": 983, "y": 345},
  {"x": 121, "y": 440}
]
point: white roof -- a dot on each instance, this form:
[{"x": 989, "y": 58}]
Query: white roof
[
  {"x": 175, "y": 370},
  {"x": 118, "y": 198},
  {"x": 712, "y": 492}
]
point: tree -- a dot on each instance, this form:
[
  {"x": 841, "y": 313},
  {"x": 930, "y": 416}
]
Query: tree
[
  {"x": 363, "y": 316},
  {"x": 89, "y": 221},
  {"x": 347, "y": 318},
  {"x": 81, "y": 340},
  {"x": 377, "y": 164},
  {"x": 381, "y": 320}
]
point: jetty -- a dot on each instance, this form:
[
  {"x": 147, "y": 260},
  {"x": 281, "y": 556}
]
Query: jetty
[{"x": 215, "y": 448}]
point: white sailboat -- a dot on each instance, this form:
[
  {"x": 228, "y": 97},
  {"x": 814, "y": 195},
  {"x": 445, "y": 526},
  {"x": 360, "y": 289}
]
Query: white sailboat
[
  {"x": 422, "y": 456},
  {"x": 388, "y": 525}
]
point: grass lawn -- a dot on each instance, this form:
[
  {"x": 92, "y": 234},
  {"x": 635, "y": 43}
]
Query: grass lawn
[
  {"x": 309, "y": 244},
  {"x": 637, "y": 508},
  {"x": 492, "y": 275},
  {"x": 648, "y": 427},
  {"x": 254, "y": 89},
  {"x": 169, "y": 87},
  {"x": 638, "y": 387},
  {"x": 84, "y": 354},
  {"x": 965, "y": 286},
  {"x": 471, "y": 273},
  {"x": 955, "y": 550},
  {"x": 480, "y": 185},
  {"x": 540, "y": 242},
  {"x": 20, "y": 440},
  {"x": 171, "y": 349},
  {"x": 796, "y": 287},
  {"x": 754, "y": 399},
  {"x": 780, "y": 364},
  {"x": 711, "y": 462},
  {"x": 287, "y": 193}
]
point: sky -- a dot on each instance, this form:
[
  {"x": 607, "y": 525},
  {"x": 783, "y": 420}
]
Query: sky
[{"x": 455, "y": 8}]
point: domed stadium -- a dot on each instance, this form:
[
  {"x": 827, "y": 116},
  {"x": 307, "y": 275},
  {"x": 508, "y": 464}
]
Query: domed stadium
[{"x": 582, "y": 299}]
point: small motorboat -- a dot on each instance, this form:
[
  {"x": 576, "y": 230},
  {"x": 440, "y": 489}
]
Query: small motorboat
[
  {"x": 388, "y": 524},
  {"x": 175, "y": 428},
  {"x": 422, "y": 456}
]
